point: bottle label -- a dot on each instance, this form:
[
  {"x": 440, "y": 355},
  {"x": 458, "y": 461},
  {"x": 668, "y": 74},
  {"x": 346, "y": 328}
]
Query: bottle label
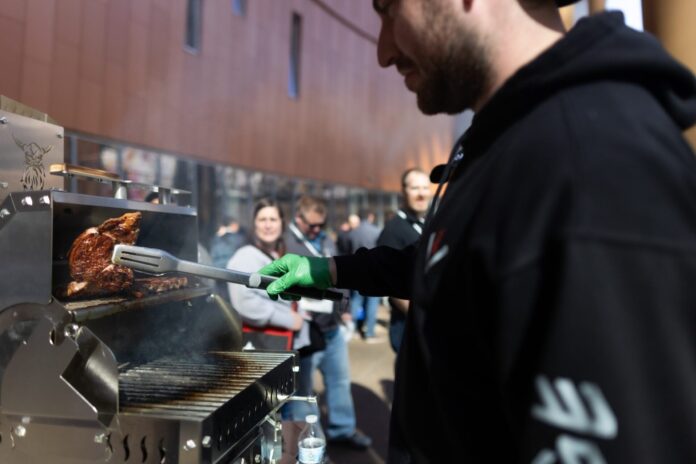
[{"x": 311, "y": 451}]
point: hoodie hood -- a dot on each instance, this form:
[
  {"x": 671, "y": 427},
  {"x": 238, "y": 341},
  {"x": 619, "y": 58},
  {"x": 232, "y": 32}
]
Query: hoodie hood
[{"x": 600, "y": 47}]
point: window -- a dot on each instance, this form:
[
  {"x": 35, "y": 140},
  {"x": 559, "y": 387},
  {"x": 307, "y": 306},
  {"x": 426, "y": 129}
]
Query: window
[
  {"x": 193, "y": 25},
  {"x": 239, "y": 7},
  {"x": 295, "y": 39}
]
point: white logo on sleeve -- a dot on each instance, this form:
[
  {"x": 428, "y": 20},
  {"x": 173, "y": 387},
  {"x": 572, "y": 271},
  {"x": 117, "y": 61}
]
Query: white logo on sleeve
[{"x": 562, "y": 406}]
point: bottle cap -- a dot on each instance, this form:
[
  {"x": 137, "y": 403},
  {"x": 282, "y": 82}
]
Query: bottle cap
[{"x": 311, "y": 419}]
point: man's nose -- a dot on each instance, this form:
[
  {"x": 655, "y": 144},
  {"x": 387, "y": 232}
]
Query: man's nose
[{"x": 386, "y": 48}]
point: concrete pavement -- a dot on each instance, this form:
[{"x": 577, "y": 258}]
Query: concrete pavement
[{"x": 372, "y": 375}]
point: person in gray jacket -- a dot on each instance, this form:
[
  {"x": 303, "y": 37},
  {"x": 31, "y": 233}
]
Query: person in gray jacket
[{"x": 253, "y": 305}]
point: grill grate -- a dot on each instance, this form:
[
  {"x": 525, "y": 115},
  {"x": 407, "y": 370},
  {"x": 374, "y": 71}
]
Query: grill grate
[{"x": 196, "y": 386}]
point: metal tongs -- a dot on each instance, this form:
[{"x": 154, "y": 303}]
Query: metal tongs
[{"x": 157, "y": 262}]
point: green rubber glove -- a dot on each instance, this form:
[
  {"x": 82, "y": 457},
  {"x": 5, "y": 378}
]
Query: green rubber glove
[{"x": 292, "y": 270}]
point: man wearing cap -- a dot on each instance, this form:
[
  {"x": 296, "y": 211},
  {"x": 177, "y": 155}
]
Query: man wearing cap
[{"x": 553, "y": 305}]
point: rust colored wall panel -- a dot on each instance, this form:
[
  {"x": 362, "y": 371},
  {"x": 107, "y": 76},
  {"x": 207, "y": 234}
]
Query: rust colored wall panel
[
  {"x": 68, "y": 22},
  {"x": 118, "y": 69},
  {"x": 39, "y": 31},
  {"x": 11, "y": 40},
  {"x": 118, "y": 18},
  {"x": 35, "y": 84},
  {"x": 13, "y": 9},
  {"x": 93, "y": 49},
  {"x": 89, "y": 100},
  {"x": 64, "y": 82}
]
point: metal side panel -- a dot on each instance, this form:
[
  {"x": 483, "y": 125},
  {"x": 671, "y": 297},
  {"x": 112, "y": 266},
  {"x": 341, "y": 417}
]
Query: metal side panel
[
  {"x": 235, "y": 421},
  {"x": 27, "y": 148},
  {"x": 218, "y": 401},
  {"x": 60, "y": 374},
  {"x": 147, "y": 440},
  {"x": 26, "y": 442},
  {"x": 25, "y": 249},
  {"x": 156, "y": 441}
]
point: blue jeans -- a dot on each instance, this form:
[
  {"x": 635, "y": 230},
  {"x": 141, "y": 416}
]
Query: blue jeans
[
  {"x": 333, "y": 364},
  {"x": 369, "y": 304},
  {"x": 396, "y": 333}
]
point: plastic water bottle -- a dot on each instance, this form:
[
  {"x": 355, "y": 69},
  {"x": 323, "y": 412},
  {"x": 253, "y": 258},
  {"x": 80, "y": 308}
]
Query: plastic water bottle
[
  {"x": 311, "y": 444},
  {"x": 346, "y": 330}
]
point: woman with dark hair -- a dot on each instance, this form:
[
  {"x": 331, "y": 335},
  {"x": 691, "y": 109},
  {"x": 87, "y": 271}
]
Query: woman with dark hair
[{"x": 253, "y": 305}]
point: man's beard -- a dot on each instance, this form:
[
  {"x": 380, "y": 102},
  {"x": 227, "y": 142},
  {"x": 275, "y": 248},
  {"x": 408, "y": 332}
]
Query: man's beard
[{"x": 455, "y": 80}]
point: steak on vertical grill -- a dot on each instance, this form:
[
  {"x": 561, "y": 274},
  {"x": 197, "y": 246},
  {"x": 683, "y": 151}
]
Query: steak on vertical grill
[{"x": 89, "y": 258}]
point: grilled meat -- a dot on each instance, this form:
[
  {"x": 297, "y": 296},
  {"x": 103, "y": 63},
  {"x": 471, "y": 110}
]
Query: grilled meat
[
  {"x": 151, "y": 285},
  {"x": 89, "y": 258}
]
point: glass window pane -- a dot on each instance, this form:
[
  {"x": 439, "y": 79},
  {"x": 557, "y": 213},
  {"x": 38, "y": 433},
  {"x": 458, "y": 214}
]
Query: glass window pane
[
  {"x": 239, "y": 7},
  {"x": 193, "y": 25},
  {"x": 295, "y": 44}
]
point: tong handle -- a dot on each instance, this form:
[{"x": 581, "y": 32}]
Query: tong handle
[{"x": 253, "y": 280}]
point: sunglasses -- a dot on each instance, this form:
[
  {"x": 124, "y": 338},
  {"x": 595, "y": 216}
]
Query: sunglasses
[{"x": 318, "y": 225}]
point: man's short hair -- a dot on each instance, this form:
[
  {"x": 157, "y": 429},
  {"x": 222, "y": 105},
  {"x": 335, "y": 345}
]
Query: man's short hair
[
  {"x": 366, "y": 213},
  {"x": 307, "y": 203},
  {"x": 406, "y": 173}
]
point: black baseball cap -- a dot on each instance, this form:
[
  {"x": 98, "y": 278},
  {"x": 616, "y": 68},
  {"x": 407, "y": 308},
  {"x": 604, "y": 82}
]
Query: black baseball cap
[
  {"x": 565, "y": 2},
  {"x": 436, "y": 173}
]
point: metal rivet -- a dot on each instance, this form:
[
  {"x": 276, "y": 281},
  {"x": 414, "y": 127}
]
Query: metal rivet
[
  {"x": 257, "y": 458},
  {"x": 296, "y": 368},
  {"x": 4, "y": 213},
  {"x": 190, "y": 444},
  {"x": 205, "y": 442},
  {"x": 3, "y": 120},
  {"x": 71, "y": 330},
  {"x": 27, "y": 201},
  {"x": 45, "y": 200},
  {"x": 20, "y": 431},
  {"x": 60, "y": 136},
  {"x": 99, "y": 438}
]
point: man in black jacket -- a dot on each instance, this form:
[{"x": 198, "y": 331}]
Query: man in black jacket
[
  {"x": 553, "y": 305},
  {"x": 404, "y": 229}
]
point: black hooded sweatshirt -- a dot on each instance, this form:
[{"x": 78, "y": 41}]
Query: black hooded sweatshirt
[{"x": 553, "y": 292}]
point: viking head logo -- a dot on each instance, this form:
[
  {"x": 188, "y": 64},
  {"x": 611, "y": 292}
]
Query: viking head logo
[{"x": 34, "y": 173}]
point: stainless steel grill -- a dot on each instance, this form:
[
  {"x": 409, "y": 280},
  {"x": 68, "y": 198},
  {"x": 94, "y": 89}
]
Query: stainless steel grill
[{"x": 119, "y": 379}]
